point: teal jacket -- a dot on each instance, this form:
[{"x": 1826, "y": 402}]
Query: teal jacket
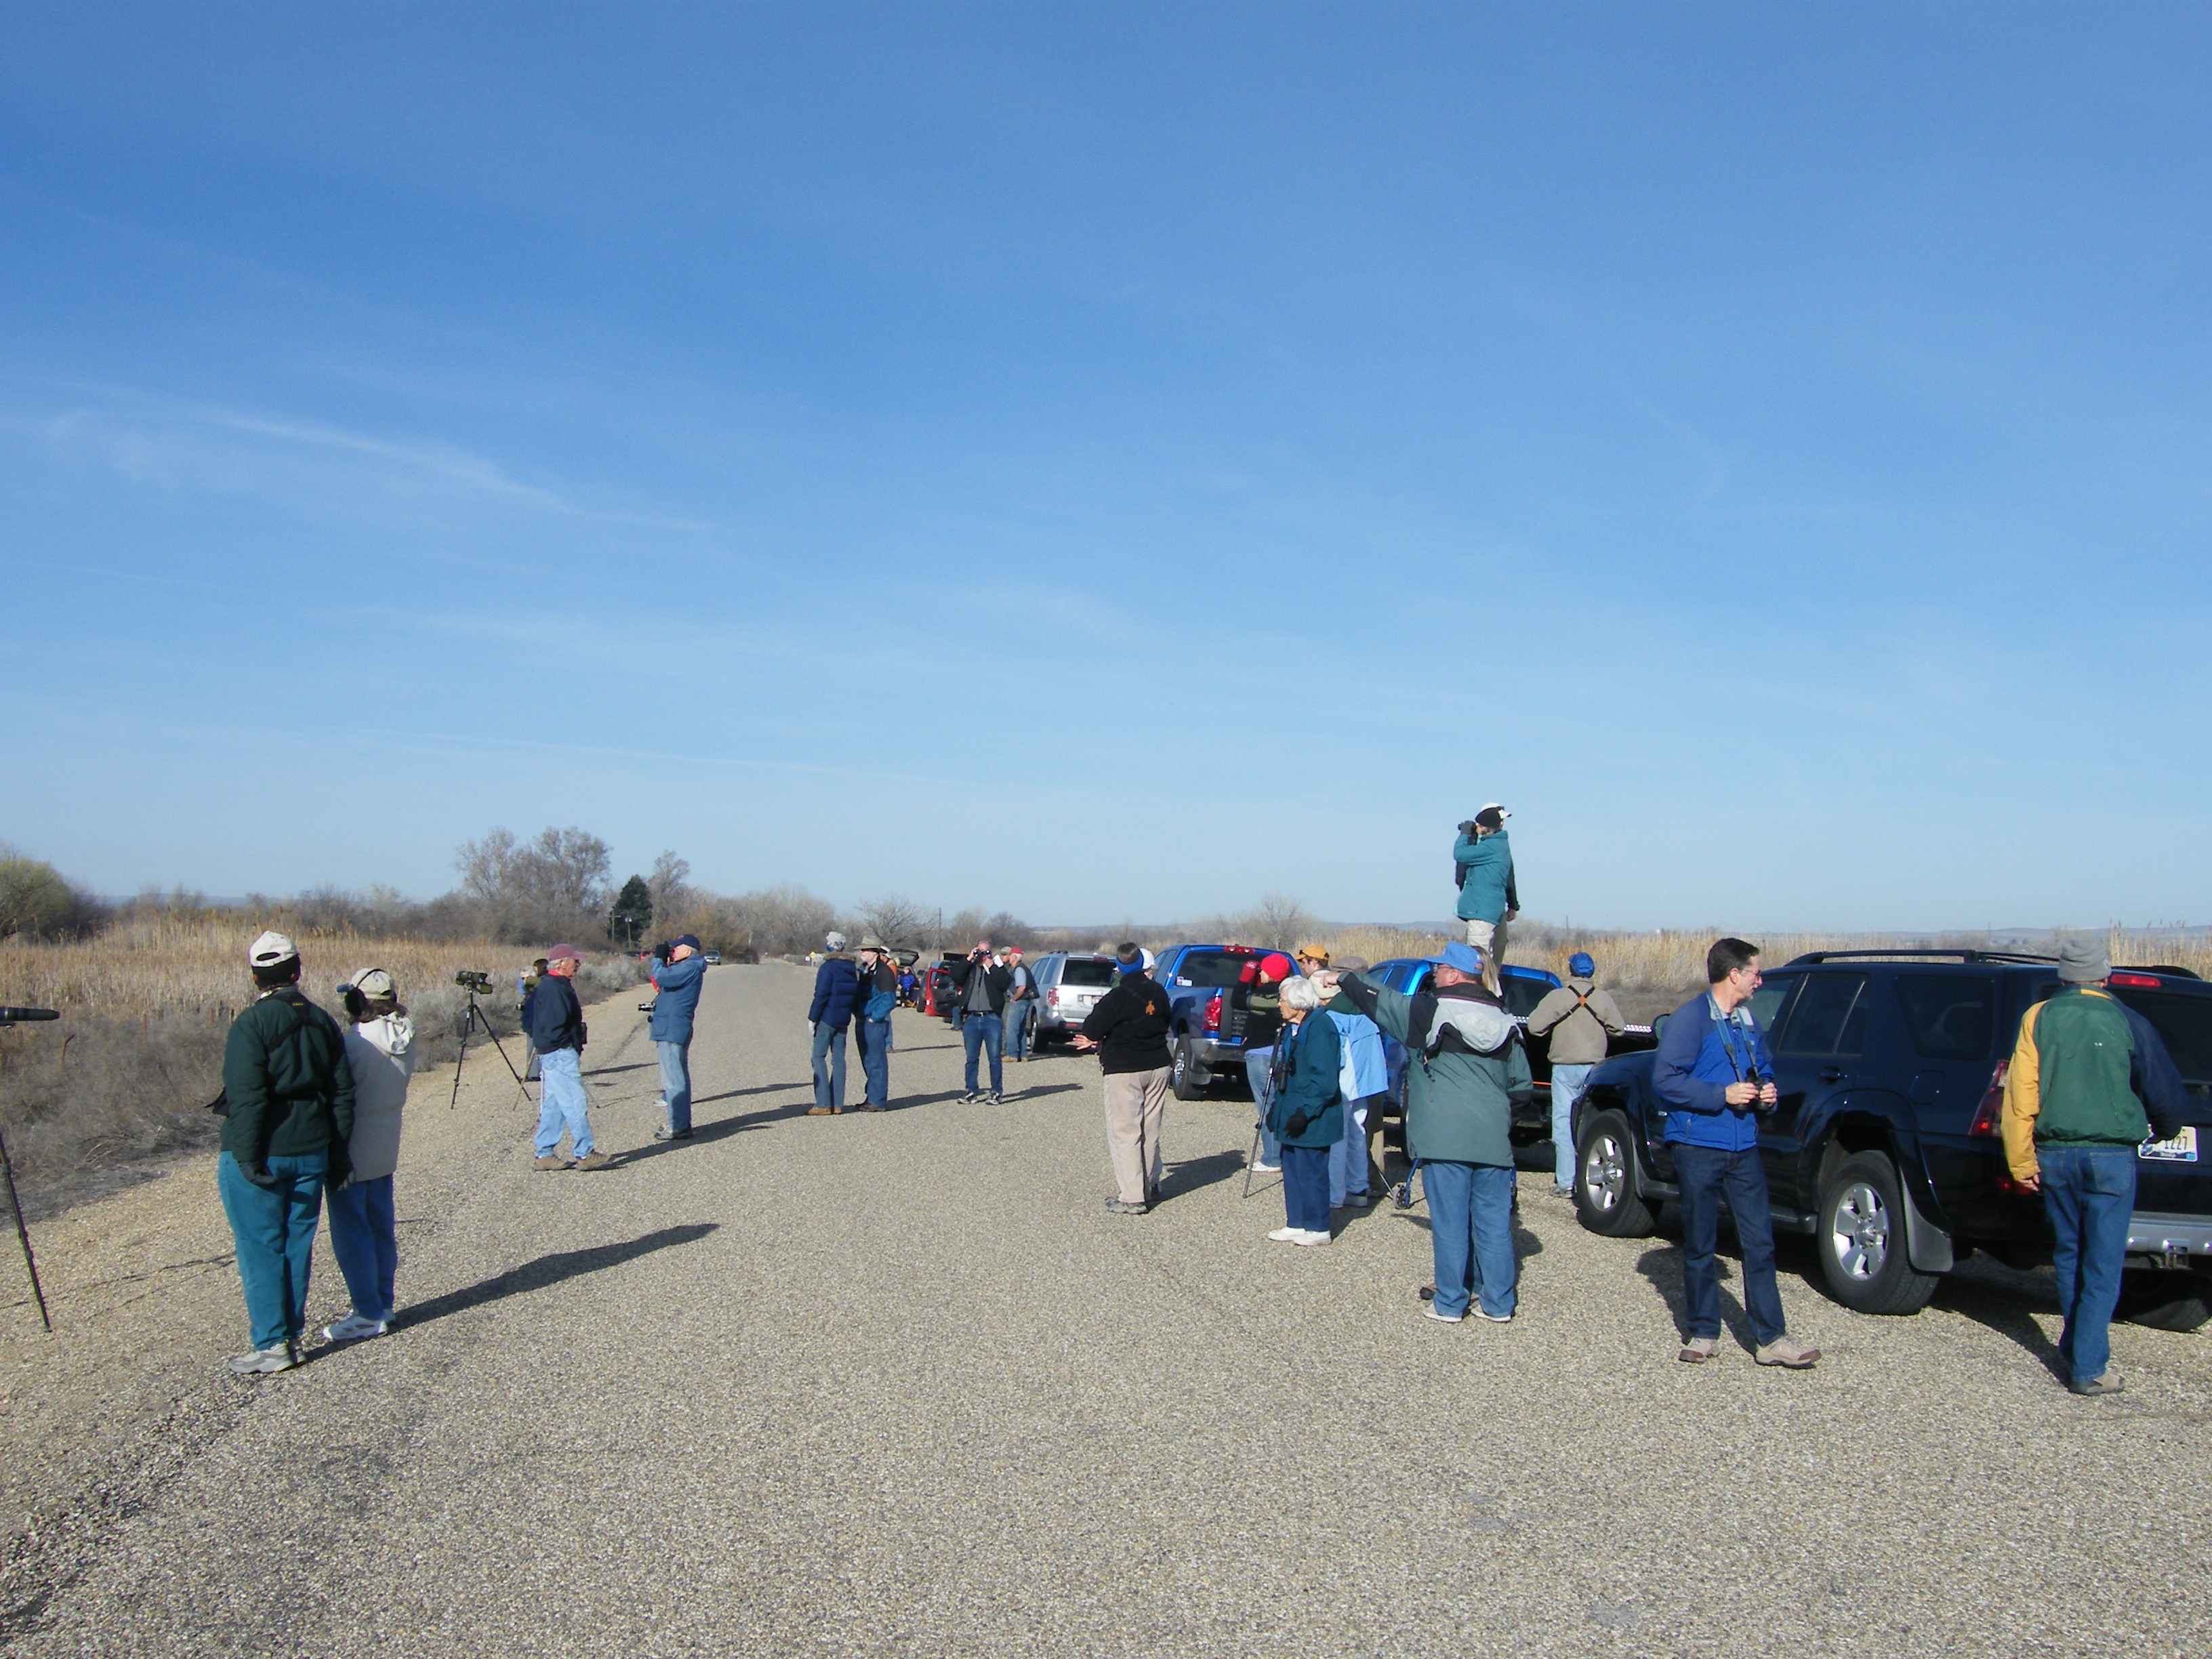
[
  {"x": 1316, "y": 1059},
  {"x": 286, "y": 1085},
  {"x": 1459, "y": 1106},
  {"x": 1485, "y": 887}
]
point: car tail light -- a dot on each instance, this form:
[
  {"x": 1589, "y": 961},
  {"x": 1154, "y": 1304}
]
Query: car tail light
[
  {"x": 1991, "y": 1110},
  {"x": 1213, "y": 1012},
  {"x": 2146, "y": 981},
  {"x": 1053, "y": 996}
]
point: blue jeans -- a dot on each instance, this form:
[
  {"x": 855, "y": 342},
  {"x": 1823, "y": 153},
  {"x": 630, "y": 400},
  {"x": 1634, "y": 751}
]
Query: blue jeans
[
  {"x": 1705, "y": 1172},
  {"x": 1347, "y": 1159},
  {"x": 874, "y": 1037},
  {"x": 1567, "y": 1083},
  {"x": 1305, "y": 1187},
  {"x": 980, "y": 1032},
  {"x": 2089, "y": 1193},
  {"x": 1015, "y": 1043},
  {"x": 829, "y": 1065},
  {"x": 561, "y": 1078},
  {"x": 366, "y": 1241},
  {"x": 274, "y": 1231},
  {"x": 675, "y": 1084},
  {"x": 1471, "y": 1237},
  {"x": 1257, "y": 1064}
]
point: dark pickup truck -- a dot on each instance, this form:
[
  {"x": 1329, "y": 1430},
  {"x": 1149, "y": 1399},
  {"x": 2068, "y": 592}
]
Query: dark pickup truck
[
  {"x": 1885, "y": 1147},
  {"x": 1213, "y": 1024},
  {"x": 1522, "y": 988}
]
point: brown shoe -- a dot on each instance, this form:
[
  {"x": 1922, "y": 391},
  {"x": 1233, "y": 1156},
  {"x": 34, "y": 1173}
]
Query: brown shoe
[
  {"x": 552, "y": 1161},
  {"x": 1787, "y": 1352},
  {"x": 1699, "y": 1349},
  {"x": 821, "y": 1111},
  {"x": 594, "y": 1159}
]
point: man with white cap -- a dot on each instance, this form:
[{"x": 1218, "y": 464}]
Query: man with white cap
[
  {"x": 380, "y": 1048},
  {"x": 556, "y": 1027},
  {"x": 1483, "y": 862},
  {"x": 287, "y": 1097}
]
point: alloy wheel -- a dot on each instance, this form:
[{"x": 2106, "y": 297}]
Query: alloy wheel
[
  {"x": 1605, "y": 1172},
  {"x": 1861, "y": 1233}
]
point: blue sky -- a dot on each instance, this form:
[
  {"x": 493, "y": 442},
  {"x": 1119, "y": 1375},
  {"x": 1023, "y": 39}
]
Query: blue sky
[{"x": 1104, "y": 462}]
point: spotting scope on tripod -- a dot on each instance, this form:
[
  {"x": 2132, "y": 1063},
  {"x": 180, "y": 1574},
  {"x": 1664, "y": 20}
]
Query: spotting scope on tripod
[
  {"x": 472, "y": 1019},
  {"x": 10, "y": 1016}
]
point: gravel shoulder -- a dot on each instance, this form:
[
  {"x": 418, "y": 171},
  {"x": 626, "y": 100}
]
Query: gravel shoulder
[{"x": 899, "y": 1383}]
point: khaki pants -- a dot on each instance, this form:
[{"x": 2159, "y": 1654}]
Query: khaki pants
[
  {"x": 1488, "y": 936},
  {"x": 1136, "y": 1107}
]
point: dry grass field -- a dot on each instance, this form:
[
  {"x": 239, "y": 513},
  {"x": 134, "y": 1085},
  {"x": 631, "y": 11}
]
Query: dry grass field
[{"x": 122, "y": 1078}]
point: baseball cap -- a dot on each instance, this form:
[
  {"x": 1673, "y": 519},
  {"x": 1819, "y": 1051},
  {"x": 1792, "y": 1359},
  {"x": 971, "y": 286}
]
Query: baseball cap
[
  {"x": 1310, "y": 950},
  {"x": 270, "y": 949},
  {"x": 691, "y": 940},
  {"x": 372, "y": 983},
  {"x": 1465, "y": 957},
  {"x": 564, "y": 953},
  {"x": 1581, "y": 965}
]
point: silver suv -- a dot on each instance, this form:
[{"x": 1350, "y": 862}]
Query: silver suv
[{"x": 1068, "y": 985}]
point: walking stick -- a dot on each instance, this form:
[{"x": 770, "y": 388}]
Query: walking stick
[{"x": 8, "y": 1017}]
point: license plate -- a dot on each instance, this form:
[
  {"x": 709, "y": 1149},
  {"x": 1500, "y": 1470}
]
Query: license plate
[{"x": 2182, "y": 1149}]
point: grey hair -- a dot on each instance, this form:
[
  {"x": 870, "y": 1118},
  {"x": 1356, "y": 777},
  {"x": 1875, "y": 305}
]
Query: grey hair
[{"x": 1299, "y": 992}]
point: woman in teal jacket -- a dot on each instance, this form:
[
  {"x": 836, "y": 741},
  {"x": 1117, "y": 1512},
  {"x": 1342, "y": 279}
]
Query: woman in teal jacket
[{"x": 1307, "y": 1113}]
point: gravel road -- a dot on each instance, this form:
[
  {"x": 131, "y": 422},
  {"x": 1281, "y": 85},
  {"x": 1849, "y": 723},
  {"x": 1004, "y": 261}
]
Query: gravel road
[{"x": 900, "y": 1384}]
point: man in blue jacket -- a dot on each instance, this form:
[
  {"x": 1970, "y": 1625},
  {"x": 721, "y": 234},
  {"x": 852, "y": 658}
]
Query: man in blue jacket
[
  {"x": 836, "y": 991},
  {"x": 678, "y": 981},
  {"x": 1714, "y": 1074}
]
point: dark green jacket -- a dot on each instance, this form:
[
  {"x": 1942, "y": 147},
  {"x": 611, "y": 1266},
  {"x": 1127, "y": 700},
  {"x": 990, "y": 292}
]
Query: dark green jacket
[
  {"x": 286, "y": 1079},
  {"x": 1459, "y": 1106},
  {"x": 1316, "y": 1057}
]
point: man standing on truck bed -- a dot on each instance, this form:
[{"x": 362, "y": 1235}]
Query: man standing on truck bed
[
  {"x": 1583, "y": 1020},
  {"x": 1482, "y": 859},
  {"x": 2082, "y": 1075}
]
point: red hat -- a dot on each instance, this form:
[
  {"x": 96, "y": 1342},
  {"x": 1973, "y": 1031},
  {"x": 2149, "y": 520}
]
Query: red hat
[{"x": 1275, "y": 967}]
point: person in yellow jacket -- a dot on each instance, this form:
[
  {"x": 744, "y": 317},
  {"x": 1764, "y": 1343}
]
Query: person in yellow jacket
[{"x": 2089, "y": 1076}]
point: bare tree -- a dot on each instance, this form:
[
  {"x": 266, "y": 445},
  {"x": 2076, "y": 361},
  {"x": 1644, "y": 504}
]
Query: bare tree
[
  {"x": 556, "y": 883},
  {"x": 667, "y": 886},
  {"x": 1278, "y": 921},
  {"x": 894, "y": 919}
]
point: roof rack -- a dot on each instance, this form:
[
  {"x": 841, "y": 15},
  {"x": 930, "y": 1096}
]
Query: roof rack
[{"x": 1908, "y": 954}]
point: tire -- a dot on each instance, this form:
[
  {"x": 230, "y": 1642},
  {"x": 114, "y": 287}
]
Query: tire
[
  {"x": 1605, "y": 1198},
  {"x": 2163, "y": 1301},
  {"x": 1861, "y": 1239},
  {"x": 1183, "y": 1076}
]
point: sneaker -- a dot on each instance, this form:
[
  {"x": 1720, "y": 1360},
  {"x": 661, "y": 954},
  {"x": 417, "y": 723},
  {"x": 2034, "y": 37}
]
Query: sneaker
[
  {"x": 1429, "y": 1311},
  {"x": 1559, "y": 1191},
  {"x": 1122, "y": 1207},
  {"x": 1357, "y": 1201},
  {"x": 1259, "y": 1168},
  {"x": 1789, "y": 1353},
  {"x": 1494, "y": 1319},
  {"x": 994, "y": 1098},
  {"x": 2097, "y": 1387},
  {"x": 1315, "y": 1236},
  {"x": 552, "y": 1161},
  {"x": 354, "y": 1328},
  {"x": 971, "y": 1097},
  {"x": 1699, "y": 1349},
  {"x": 594, "y": 1159},
  {"x": 264, "y": 1361},
  {"x": 1428, "y": 1292},
  {"x": 1287, "y": 1236},
  {"x": 821, "y": 1111},
  {"x": 865, "y": 1106}
]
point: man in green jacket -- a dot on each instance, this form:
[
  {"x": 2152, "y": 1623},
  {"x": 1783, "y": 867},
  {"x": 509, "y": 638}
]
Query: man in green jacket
[
  {"x": 1465, "y": 1064},
  {"x": 289, "y": 1095}
]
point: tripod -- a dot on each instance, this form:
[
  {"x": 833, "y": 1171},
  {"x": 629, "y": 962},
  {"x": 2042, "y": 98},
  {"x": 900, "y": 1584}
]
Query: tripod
[
  {"x": 7, "y": 1017},
  {"x": 472, "y": 1020}
]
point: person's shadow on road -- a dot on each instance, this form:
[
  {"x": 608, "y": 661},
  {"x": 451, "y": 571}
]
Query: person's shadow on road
[
  {"x": 1662, "y": 1265},
  {"x": 721, "y": 1129},
  {"x": 1193, "y": 1174},
  {"x": 555, "y": 1269}
]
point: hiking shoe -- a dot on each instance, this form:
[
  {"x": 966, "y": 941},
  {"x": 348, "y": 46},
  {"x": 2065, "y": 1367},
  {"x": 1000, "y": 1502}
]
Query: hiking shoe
[
  {"x": 552, "y": 1161},
  {"x": 1428, "y": 1292},
  {"x": 2097, "y": 1387},
  {"x": 264, "y": 1361},
  {"x": 1429, "y": 1311},
  {"x": 1699, "y": 1349},
  {"x": 354, "y": 1328},
  {"x": 1122, "y": 1207},
  {"x": 1787, "y": 1352},
  {"x": 821, "y": 1111},
  {"x": 594, "y": 1159}
]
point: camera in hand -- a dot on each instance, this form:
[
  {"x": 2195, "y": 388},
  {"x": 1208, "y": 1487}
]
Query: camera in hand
[{"x": 474, "y": 983}]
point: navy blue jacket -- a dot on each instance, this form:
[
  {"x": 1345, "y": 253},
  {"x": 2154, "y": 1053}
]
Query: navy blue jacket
[
  {"x": 556, "y": 1018},
  {"x": 679, "y": 984},
  {"x": 1694, "y": 1064},
  {"x": 837, "y": 989}
]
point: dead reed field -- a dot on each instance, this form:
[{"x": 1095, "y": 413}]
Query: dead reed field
[{"x": 122, "y": 1079}]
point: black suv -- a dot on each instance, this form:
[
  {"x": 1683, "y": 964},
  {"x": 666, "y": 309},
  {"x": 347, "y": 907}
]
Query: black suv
[{"x": 1885, "y": 1147}]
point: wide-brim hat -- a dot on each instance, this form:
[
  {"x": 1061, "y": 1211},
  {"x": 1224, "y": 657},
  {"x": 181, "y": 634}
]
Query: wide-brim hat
[{"x": 870, "y": 942}]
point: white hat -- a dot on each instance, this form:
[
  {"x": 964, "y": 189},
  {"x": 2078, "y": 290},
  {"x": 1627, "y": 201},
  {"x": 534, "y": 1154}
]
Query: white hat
[{"x": 270, "y": 949}]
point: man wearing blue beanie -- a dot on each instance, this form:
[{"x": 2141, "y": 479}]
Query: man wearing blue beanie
[{"x": 1581, "y": 1020}]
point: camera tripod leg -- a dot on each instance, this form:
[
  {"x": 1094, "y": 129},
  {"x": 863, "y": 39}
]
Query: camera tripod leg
[
  {"x": 1250, "y": 1161},
  {"x": 23, "y": 1235}
]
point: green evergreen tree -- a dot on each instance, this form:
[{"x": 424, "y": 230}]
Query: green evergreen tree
[{"x": 632, "y": 915}]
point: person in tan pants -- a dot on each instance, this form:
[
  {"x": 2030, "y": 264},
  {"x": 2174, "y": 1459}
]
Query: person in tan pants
[{"x": 1128, "y": 1030}]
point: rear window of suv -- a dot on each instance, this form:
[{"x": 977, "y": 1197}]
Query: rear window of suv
[
  {"x": 1213, "y": 969},
  {"x": 2185, "y": 1023},
  {"x": 1087, "y": 971},
  {"x": 1950, "y": 1016}
]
